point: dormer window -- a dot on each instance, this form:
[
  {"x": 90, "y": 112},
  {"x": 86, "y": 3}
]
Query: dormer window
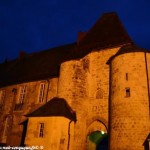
[{"x": 41, "y": 93}]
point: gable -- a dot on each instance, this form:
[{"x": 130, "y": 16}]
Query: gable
[{"x": 54, "y": 107}]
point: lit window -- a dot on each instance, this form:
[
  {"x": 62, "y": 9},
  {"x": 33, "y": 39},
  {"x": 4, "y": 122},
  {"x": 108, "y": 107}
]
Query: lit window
[
  {"x": 22, "y": 94},
  {"x": 41, "y": 130},
  {"x": 2, "y": 96},
  {"x": 41, "y": 92},
  {"x": 127, "y": 92}
]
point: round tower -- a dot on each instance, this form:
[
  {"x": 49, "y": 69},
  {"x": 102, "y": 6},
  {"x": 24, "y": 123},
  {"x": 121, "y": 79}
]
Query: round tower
[
  {"x": 72, "y": 81},
  {"x": 129, "y": 98}
]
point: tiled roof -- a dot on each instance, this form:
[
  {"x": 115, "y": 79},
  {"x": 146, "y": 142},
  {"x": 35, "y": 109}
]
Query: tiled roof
[
  {"x": 54, "y": 107},
  {"x": 37, "y": 66}
]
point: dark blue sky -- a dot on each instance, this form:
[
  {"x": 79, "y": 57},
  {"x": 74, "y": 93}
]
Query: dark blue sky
[{"x": 34, "y": 25}]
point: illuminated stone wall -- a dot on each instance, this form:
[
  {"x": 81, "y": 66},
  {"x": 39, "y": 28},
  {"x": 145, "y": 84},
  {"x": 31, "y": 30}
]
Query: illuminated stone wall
[
  {"x": 30, "y": 103},
  {"x": 84, "y": 83},
  {"x": 129, "y": 112},
  {"x": 56, "y": 133}
]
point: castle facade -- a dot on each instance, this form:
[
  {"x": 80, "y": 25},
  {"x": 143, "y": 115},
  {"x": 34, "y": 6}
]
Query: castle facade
[{"x": 89, "y": 95}]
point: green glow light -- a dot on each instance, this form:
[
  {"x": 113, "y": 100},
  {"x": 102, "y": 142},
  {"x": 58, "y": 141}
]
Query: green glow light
[{"x": 97, "y": 136}]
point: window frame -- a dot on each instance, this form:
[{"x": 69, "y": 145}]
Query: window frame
[
  {"x": 22, "y": 93},
  {"x": 21, "y": 98},
  {"x": 41, "y": 92},
  {"x": 41, "y": 129},
  {"x": 128, "y": 92}
]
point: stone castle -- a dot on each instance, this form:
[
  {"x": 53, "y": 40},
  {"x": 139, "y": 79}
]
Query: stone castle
[{"x": 89, "y": 95}]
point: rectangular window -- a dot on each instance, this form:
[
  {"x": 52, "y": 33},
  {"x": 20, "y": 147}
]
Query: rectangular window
[
  {"x": 41, "y": 93},
  {"x": 22, "y": 94},
  {"x": 20, "y": 101},
  {"x": 127, "y": 92},
  {"x": 127, "y": 76},
  {"x": 41, "y": 130},
  {"x": 6, "y": 126}
]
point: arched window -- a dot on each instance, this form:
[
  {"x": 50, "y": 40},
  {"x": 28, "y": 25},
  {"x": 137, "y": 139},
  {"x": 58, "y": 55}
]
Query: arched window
[{"x": 99, "y": 94}]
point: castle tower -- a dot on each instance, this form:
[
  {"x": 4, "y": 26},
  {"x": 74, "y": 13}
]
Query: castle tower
[{"x": 129, "y": 98}]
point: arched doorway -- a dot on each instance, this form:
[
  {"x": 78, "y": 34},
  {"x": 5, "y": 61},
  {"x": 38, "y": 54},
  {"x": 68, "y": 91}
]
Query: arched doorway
[
  {"x": 97, "y": 137},
  {"x": 97, "y": 140}
]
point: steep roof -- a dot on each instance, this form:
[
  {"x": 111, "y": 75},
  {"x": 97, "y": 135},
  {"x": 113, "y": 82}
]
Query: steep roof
[
  {"x": 107, "y": 32},
  {"x": 37, "y": 66},
  {"x": 54, "y": 107}
]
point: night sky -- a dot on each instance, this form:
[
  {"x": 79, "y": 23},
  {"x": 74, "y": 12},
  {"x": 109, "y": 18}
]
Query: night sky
[{"x": 35, "y": 25}]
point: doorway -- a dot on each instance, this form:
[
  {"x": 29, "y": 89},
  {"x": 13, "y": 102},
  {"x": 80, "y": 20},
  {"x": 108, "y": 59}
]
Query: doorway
[{"x": 97, "y": 140}]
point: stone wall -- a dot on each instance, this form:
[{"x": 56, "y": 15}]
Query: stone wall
[
  {"x": 56, "y": 135},
  {"x": 129, "y": 102},
  {"x": 147, "y": 57},
  {"x": 88, "y": 89},
  {"x": 30, "y": 104},
  {"x": 84, "y": 83}
]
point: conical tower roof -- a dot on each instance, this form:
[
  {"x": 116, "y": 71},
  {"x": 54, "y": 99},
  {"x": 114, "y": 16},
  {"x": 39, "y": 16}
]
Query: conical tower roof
[{"x": 130, "y": 48}]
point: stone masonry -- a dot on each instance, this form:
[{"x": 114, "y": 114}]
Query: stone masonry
[{"x": 99, "y": 84}]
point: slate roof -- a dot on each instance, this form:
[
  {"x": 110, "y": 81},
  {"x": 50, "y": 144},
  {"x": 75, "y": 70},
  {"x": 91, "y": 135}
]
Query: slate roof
[
  {"x": 37, "y": 66},
  {"x": 127, "y": 49},
  {"x": 54, "y": 107},
  {"x": 107, "y": 32}
]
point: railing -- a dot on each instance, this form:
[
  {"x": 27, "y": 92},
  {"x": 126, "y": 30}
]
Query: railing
[{"x": 18, "y": 106}]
